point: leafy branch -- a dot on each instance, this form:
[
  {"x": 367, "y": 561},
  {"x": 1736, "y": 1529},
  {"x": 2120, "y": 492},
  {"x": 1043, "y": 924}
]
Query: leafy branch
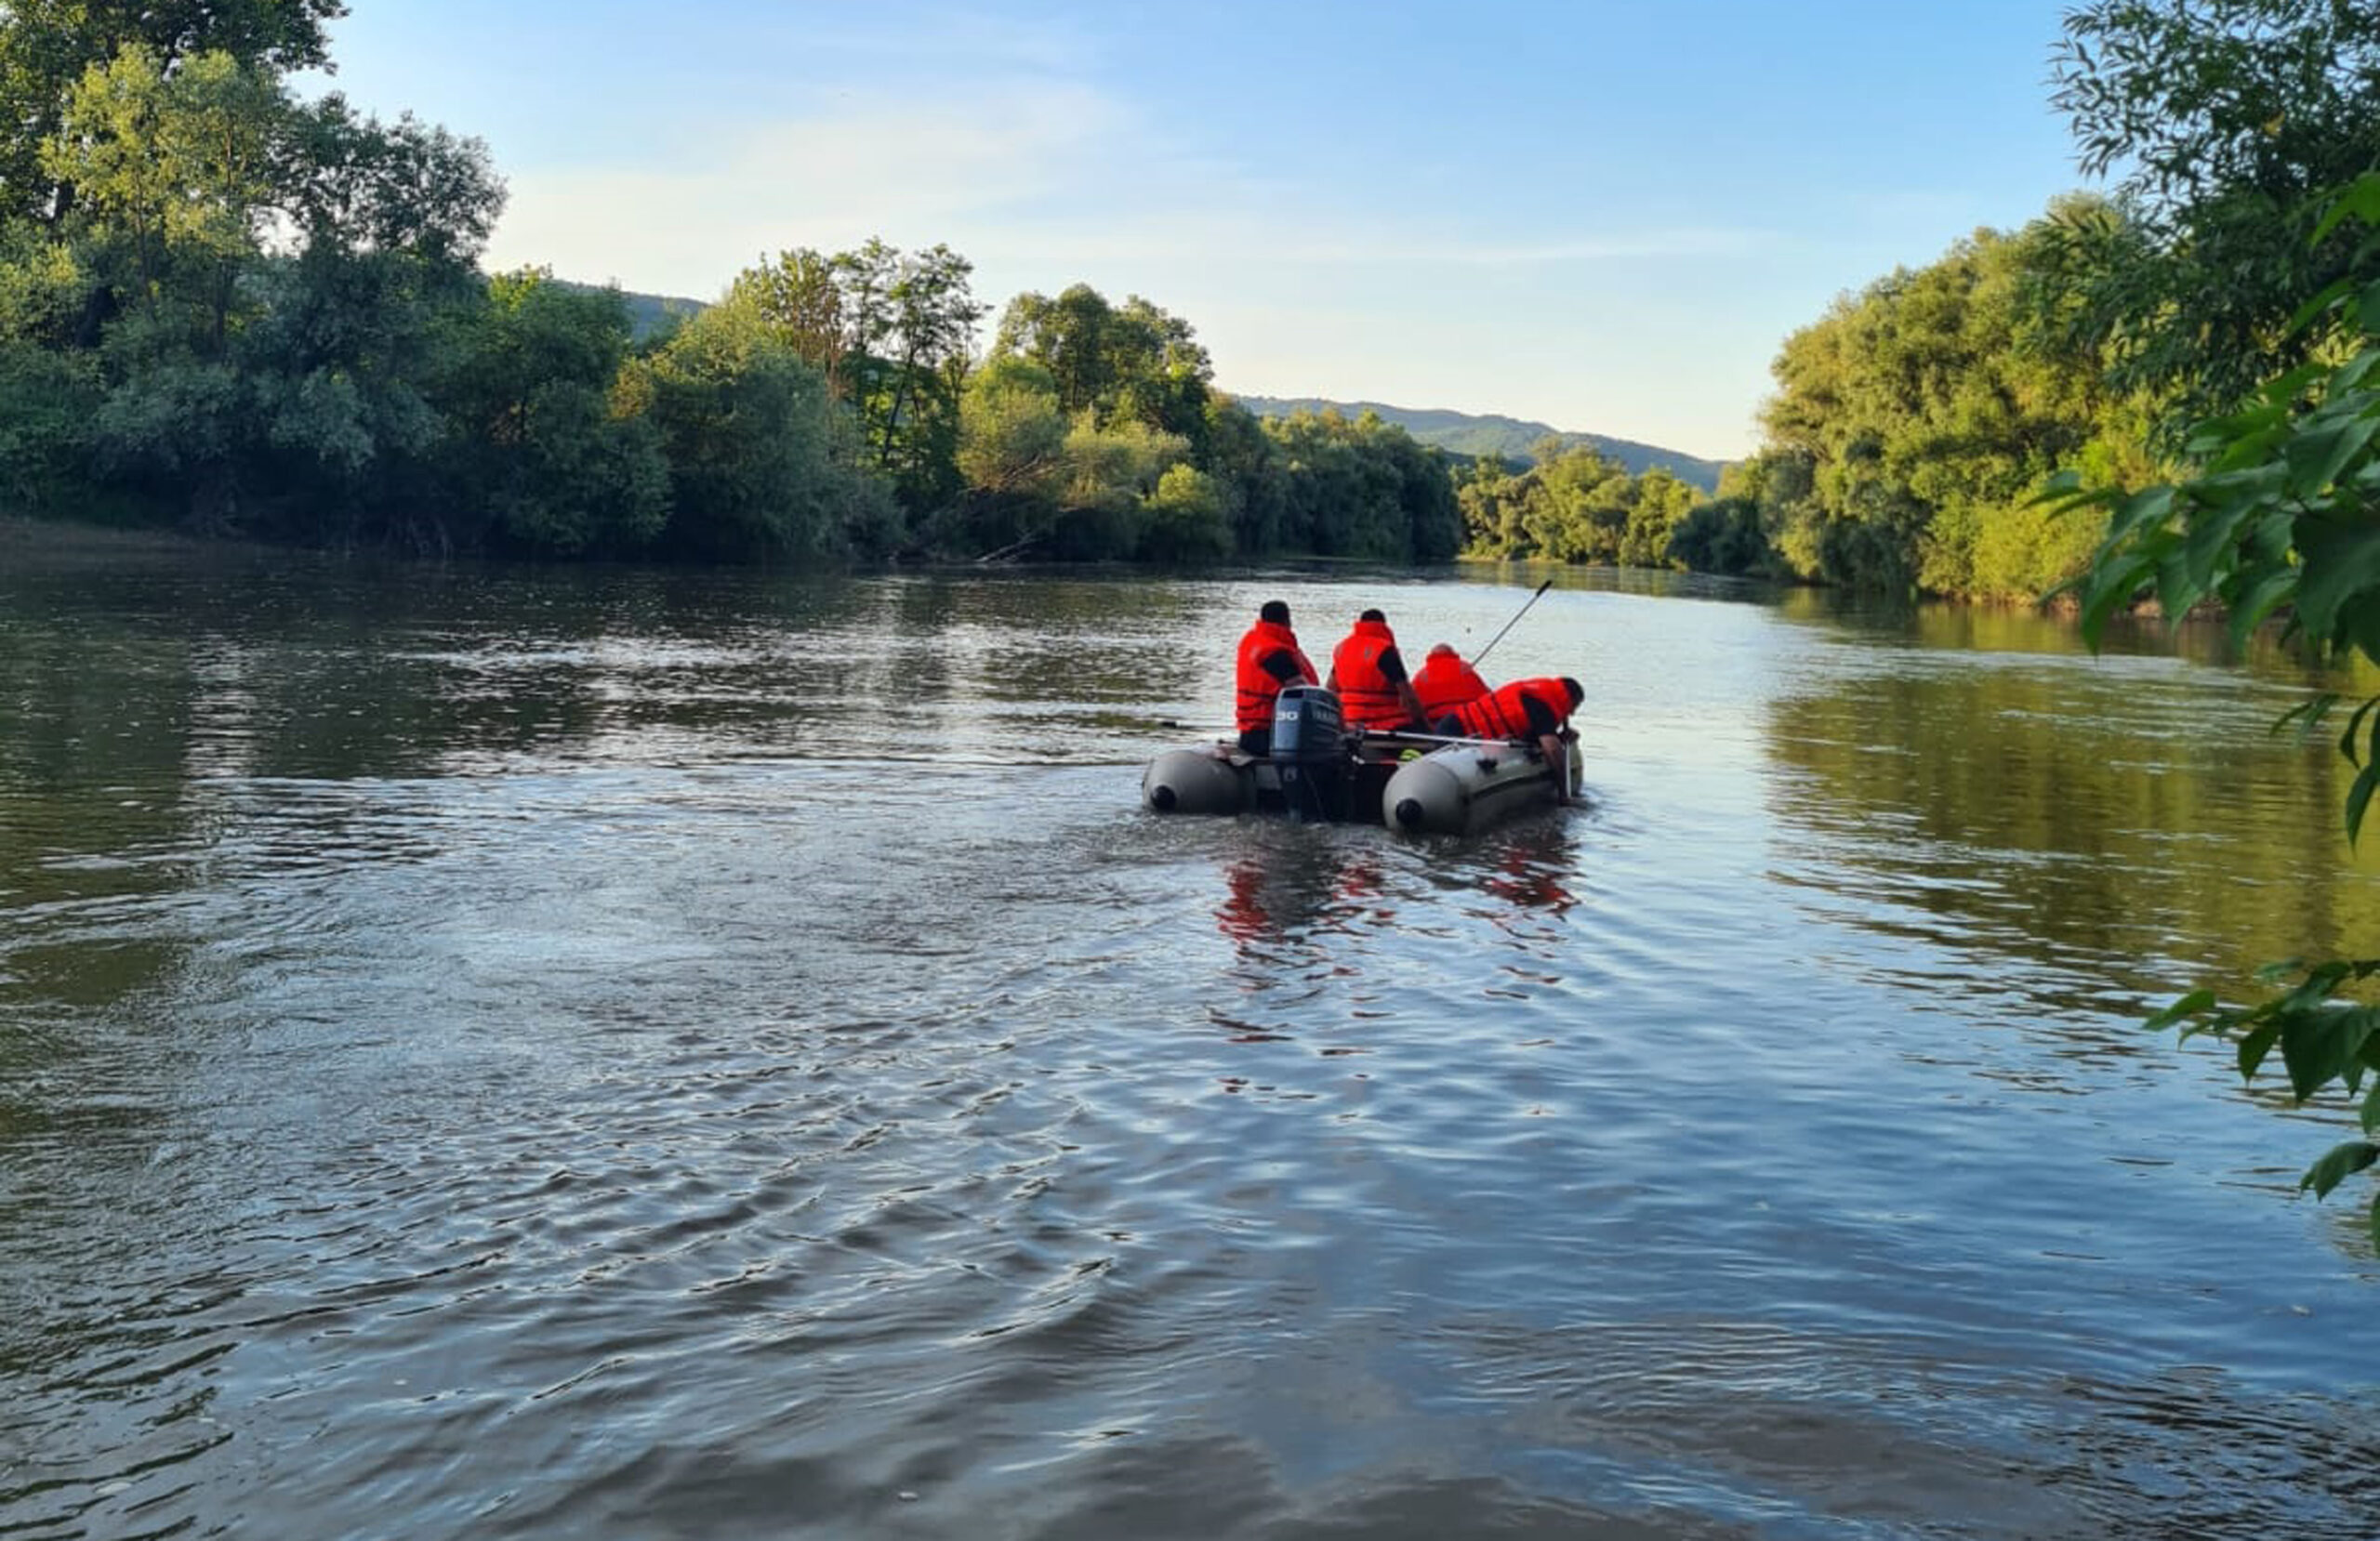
[{"x": 2282, "y": 520}]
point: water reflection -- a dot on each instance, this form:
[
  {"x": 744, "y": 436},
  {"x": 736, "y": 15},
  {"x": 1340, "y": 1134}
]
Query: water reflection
[
  {"x": 1285, "y": 886},
  {"x": 1532, "y": 864},
  {"x": 489, "y": 1054},
  {"x": 1294, "y": 880},
  {"x": 2065, "y": 815}
]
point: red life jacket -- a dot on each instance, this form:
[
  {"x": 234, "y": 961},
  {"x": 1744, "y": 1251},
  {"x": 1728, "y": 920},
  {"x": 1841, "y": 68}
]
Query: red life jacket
[
  {"x": 1367, "y": 697},
  {"x": 1258, "y": 687},
  {"x": 1500, "y": 714},
  {"x": 1445, "y": 682}
]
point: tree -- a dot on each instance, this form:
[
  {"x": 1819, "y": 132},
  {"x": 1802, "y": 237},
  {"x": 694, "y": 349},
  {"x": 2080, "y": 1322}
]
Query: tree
[
  {"x": 1660, "y": 504},
  {"x": 761, "y": 463},
  {"x": 1013, "y": 433},
  {"x": 927, "y": 343},
  {"x": 1920, "y": 415},
  {"x": 891, "y": 333},
  {"x": 1186, "y": 518},
  {"x": 1240, "y": 456},
  {"x": 350, "y": 184},
  {"x": 47, "y": 46},
  {"x": 263, "y": 284},
  {"x": 799, "y": 296},
  {"x": 539, "y": 455},
  {"x": 1136, "y": 363},
  {"x": 2228, "y": 123},
  {"x": 180, "y": 165}
]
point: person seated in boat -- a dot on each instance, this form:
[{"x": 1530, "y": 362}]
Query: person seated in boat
[
  {"x": 1444, "y": 681},
  {"x": 1534, "y": 710},
  {"x": 1369, "y": 674},
  {"x": 1269, "y": 658}
]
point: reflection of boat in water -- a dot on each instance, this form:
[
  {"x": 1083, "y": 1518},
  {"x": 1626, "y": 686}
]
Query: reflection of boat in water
[{"x": 1319, "y": 771}]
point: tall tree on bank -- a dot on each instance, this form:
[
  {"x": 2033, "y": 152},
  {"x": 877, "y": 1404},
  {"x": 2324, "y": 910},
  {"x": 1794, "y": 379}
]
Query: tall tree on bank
[
  {"x": 1915, "y": 421},
  {"x": 47, "y": 46},
  {"x": 540, "y": 459},
  {"x": 246, "y": 382},
  {"x": 2227, "y": 125},
  {"x": 762, "y": 459},
  {"x": 892, "y": 333},
  {"x": 1130, "y": 362}
]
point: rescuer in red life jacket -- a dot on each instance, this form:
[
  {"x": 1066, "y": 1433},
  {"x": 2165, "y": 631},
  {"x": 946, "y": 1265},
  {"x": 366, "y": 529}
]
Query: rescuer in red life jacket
[
  {"x": 1445, "y": 681},
  {"x": 1369, "y": 674},
  {"x": 1537, "y": 709},
  {"x": 1269, "y": 658}
]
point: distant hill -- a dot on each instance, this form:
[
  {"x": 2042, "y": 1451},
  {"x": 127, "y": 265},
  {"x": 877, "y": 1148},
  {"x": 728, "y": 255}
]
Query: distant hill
[
  {"x": 647, "y": 313},
  {"x": 1470, "y": 433}
]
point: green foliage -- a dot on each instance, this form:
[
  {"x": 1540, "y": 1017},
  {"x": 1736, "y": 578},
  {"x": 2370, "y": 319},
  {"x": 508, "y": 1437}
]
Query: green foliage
[
  {"x": 1012, "y": 433},
  {"x": 1914, "y": 421},
  {"x": 1363, "y": 489},
  {"x": 1110, "y": 474},
  {"x": 540, "y": 459},
  {"x": 760, "y": 461},
  {"x": 359, "y": 187},
  {"x": 1186, "y": 518},
  {"x": 2323, "y": 1038},
  {"x": 2229, "y": 124},
  {"x": 1489, "y": 436},
  {"x": 1660, "y": 504},
  {"x": 1091, "y": 433},
  {"x": 225, "y": 306},
  {"x": 891, "y": 333},
  {"x": 178, "y": 167},
  {"x": 48, "y": 46},
  {"x": 2281, "y": 519},
  {"x": 46, "y": 401},
  {"x": 1248, "y": 474},
  {"x": 1134, "y": 362},
  {"x": 1723, "y": 535},
  {"x": 1575, "y": 506}
]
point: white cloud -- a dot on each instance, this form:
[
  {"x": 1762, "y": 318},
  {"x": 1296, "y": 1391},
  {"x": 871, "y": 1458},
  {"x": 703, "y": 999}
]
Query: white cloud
[
  {"x": 1020, "y": 174},
  {"x": 1295, "y": 279}
]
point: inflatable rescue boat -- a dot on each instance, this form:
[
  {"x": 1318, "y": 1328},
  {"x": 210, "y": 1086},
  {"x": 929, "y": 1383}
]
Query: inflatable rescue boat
[{"x": 1320, "y": 770}]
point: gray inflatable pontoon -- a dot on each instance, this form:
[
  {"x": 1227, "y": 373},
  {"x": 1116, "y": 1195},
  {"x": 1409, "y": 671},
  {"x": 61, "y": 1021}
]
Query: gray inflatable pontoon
[{"x": 1419, "y": 782}]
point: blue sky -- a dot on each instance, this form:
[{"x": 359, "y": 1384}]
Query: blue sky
[{"x": 1603, "y": 215}]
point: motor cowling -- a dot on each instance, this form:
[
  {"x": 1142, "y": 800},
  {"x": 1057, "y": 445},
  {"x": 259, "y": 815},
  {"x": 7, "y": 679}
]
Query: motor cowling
[{"x": 1310, "y": 750}]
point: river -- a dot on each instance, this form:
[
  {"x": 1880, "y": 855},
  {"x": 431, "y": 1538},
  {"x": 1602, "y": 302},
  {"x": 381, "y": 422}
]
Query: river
[{"x": 619, "y": 1054}]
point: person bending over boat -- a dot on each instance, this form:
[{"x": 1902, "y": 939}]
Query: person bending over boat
[
  {"x": 1369, "y": 674},
  {"x": 1269, "y": 658},
  {"x": 1534, "y": 709},
  {"x": 1444, "y": 681}
]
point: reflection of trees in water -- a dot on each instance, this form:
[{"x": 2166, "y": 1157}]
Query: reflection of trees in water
[
  {"x": 1944, "y": 627},
  {"x": 2062, "y": 815}
]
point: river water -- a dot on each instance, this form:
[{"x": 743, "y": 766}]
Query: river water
[{"x": 696, "y": 1055}]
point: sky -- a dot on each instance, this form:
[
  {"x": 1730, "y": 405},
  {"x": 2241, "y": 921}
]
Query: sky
[{"x": 1604, "y": 214}]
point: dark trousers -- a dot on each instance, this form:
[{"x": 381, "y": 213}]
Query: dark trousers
[{"x": 1257, "y": 740}]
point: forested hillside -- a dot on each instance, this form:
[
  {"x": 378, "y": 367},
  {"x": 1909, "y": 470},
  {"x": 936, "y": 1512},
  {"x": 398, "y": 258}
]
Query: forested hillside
[
  {"x": 1490, "y": 434},
  {"x": 649, "y": 315}
]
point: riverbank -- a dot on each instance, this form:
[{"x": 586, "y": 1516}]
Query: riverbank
[{"x": 23, "y": 533}]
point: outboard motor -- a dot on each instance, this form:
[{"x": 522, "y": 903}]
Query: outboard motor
[{"x": 1310, "y": 751}]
